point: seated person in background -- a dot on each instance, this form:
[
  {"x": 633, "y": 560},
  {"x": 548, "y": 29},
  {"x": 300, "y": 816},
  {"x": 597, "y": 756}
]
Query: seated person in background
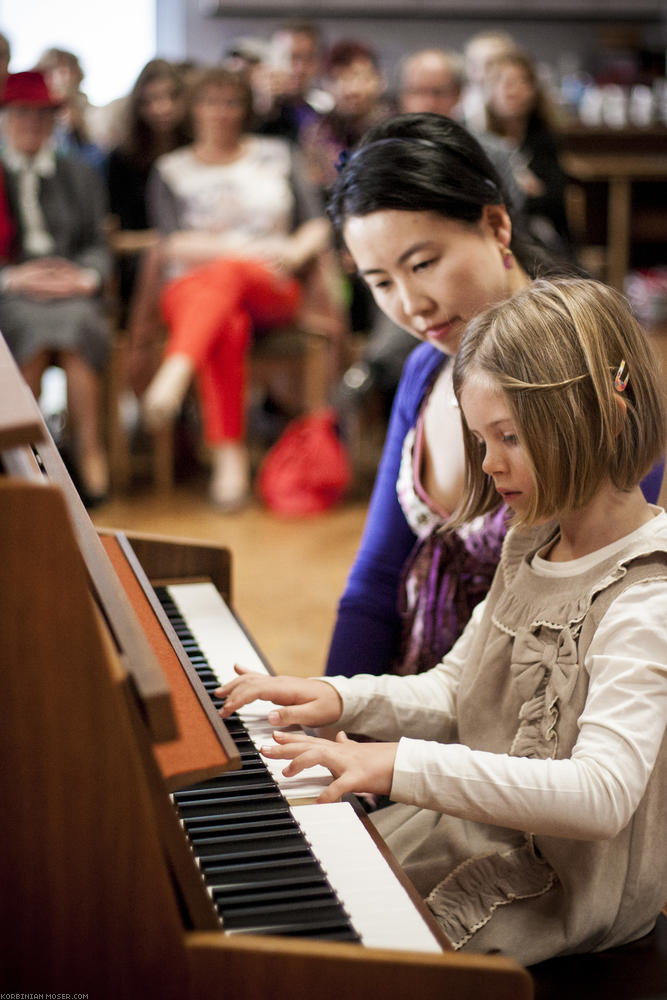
[
  {"x": 518, "y": 111},
  {"x": 478, "y": 53},
  {"x": 156, "y": 122},
  {"x": 286, "y": 95},
  {"x": 64, "y": 76},
  {"x": 431, "y": 80},
  {"x": 238, "y": 225},
  {"x": 357, "y": 86},
  {"x": 50, "y": 306}
]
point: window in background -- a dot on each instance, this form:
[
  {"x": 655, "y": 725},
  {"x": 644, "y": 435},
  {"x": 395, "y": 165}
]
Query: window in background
[{"x": 111, "y": 40}]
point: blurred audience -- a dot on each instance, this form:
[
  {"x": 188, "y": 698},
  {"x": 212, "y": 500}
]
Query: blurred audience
[
  {"x": 238, "y": 225},
  {"x": 431, "y": 80},
  {"x": 519, "y": 111},
  {"x": 5, "y": 59},
  {"x": 156, "y": 123},
  {"x": 478, "y": 53},
  {"x": 287, "y": 95},
  {"x": 64, "y": 77},
  {"x": 50, "y": 303},
  {"x": 357, "y": 85}
]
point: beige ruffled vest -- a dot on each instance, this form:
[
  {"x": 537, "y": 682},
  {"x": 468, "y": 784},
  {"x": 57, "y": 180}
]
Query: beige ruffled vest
[{"x": 493, "y": 888}]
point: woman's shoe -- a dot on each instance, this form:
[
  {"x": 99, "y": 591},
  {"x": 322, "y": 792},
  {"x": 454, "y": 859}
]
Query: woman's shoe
[
  {"x": 163, "y": 399},
  {"x": 229, "y": 489}
]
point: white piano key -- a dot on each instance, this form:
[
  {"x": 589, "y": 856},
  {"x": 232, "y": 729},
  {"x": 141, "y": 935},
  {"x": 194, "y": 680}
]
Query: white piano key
[
  {"x": 380, "y": 909},
  {"x": 224, "y": 644}
]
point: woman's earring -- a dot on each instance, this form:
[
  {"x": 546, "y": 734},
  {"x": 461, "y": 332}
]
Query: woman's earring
[{"x": 508, "y": 258}]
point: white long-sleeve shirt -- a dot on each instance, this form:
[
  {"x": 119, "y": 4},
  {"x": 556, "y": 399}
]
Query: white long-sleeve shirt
[{"x": 591, "y": 795}]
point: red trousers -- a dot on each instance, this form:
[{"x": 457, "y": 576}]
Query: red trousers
[{"x": 211, "y": 313}]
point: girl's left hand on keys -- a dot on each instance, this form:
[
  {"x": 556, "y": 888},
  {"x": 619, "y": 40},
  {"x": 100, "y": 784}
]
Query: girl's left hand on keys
[{"x": 356, "y": 767}]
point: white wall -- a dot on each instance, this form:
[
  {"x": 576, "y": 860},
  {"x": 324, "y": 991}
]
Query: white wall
[{"x": 112, "y": 38}]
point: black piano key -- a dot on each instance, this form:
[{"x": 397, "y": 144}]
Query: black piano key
[
  {"x": 238, "y": 783},
  {"x": 251, "y": 852},
  {"x": 296, "y": 871},
  {"x": 222, "y": 807},
  {"x": 241, "y": 828},
  {"x": 310, "y": 922},
  {"x": 275, "y": 881},
  {"x": 256, "y": 862},
  {"x": 261, "y": 895}
]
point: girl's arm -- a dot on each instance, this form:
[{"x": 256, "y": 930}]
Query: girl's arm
[
  {"x": 367, "y": 627},
  {"x": 593, "y": 794},
  {"x": 590, "y": 796}
]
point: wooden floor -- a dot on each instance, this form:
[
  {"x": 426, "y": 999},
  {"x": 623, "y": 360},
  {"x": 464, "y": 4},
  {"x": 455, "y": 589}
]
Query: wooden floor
[{"x": 287, "y": 575}]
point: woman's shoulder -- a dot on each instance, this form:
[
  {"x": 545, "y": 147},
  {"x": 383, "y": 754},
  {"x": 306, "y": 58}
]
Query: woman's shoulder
[{"x": 420, "y": 367}]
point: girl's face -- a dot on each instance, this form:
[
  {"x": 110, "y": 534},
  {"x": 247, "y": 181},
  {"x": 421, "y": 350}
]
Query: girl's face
[
  {"x": 161, "y": 106},
  {"x": 429, "y": 274},
  {"x": 490, "y": 421}
]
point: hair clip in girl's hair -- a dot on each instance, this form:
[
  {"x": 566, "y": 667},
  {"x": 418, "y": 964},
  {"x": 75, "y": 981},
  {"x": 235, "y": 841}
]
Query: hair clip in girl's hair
[
  {"x": 342, "y": 161},
  {"x": 619, "y": 381}
]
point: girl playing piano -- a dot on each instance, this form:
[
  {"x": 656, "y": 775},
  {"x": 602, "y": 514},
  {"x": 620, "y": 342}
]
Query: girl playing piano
[{"x": 528, "y": 769}]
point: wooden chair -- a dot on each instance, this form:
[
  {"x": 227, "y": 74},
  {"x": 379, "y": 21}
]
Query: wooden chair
[{"x": 302, "y": 358}]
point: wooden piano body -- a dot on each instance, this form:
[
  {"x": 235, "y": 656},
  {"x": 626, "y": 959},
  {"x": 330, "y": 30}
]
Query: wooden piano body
[{"x": 99, "y": 892}]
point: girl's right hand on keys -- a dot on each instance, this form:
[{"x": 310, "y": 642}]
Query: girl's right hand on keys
[{"x": 308, "y": 701}]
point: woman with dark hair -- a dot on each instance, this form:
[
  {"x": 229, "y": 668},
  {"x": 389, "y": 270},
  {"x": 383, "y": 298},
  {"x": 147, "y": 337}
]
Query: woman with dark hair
[
  {"x": 238, "y": 224},
  {"x": 155, "y": 123},
  {"x": 518, "y": 111},
  {"x": 423, "y": 213}
]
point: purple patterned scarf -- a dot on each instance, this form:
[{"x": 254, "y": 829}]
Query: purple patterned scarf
[{"x": 444, "y": 578}]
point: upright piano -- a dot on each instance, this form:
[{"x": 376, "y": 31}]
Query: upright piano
[{"x": 147, "y": 849}]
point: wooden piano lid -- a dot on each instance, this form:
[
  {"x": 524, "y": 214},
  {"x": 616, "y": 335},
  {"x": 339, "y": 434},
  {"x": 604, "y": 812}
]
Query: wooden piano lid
[{"x": 203, "y": 748}]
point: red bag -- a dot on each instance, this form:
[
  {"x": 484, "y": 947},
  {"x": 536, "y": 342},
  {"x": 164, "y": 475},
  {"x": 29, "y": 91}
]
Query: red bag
[{"x": 307, "y": 470}]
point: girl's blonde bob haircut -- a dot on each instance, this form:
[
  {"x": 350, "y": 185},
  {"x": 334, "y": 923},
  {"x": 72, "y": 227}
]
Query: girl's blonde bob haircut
[{"x": 554, "y": 349}]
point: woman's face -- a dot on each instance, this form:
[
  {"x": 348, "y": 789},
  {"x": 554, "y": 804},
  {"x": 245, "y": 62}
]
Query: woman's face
[
  {"x": 429, "y": 274},
  {"x": 512, "y": 92},
  {"x": 219, "y": 112},
  {"x": 28, "y": 128},
  {"x": 356, "y": 88},
  {"x": 161, "y": 106}
]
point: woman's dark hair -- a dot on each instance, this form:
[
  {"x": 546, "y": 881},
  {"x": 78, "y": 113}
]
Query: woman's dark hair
[
  {"x": 425, "y": 163},
  {"x": 140, "y": 144}
]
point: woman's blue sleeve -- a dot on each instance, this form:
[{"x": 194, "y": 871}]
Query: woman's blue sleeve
[
  {"x": 367, "y": 627},
  {"x": 652, "y": 482}
]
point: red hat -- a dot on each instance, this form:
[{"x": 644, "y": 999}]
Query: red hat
[{"x": 29, "y": 89}]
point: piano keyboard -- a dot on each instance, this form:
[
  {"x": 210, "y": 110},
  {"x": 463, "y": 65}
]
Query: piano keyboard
[{"x": 271, "y": 868}]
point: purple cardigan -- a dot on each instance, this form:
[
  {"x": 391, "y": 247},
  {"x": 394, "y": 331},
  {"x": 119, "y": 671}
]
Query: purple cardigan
[{"x": 368, "y": 626}]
